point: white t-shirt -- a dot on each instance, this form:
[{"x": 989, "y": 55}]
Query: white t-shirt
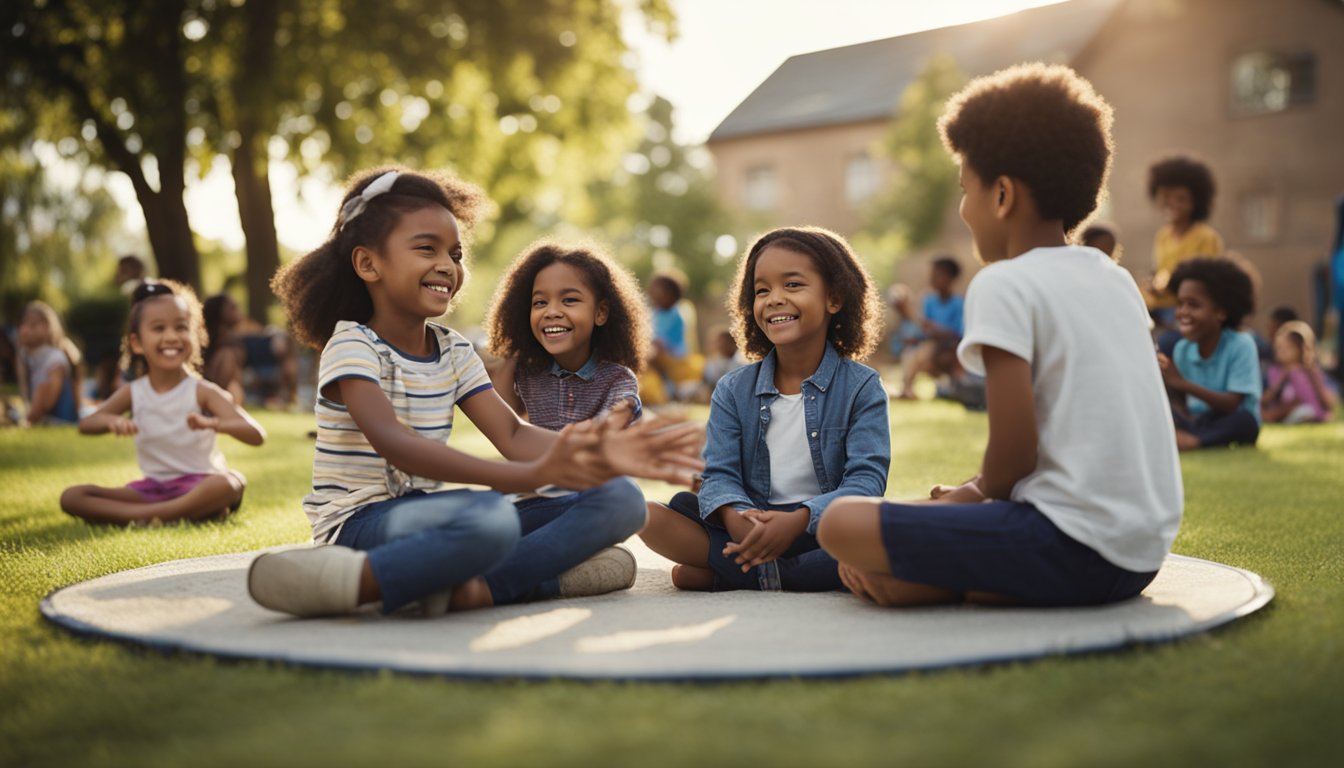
[
  {"x": 792, "y": 477},
  {"x": 1107, "y": 472},
  {"x": 164, "y": 445}
]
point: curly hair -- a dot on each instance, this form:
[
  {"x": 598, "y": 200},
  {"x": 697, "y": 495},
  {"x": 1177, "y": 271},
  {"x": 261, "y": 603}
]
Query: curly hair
[
  {"x": 321, "y": 288},
  {"x": 948, "y": 265},
  {"x": 853, "y": 330},
  {"x": 623, "y": 339},
  {"x": 1043, "y": 125},
  {"x": 1227, "y": 283},
  {"x": 148, "y": 291},
  {"x": 1185, "y": 171}
]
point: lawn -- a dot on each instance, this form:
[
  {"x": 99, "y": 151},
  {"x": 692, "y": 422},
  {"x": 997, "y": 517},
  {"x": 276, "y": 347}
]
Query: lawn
[{"x": 1265, "y": 690}]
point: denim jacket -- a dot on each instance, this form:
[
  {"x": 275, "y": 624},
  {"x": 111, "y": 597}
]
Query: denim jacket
[{"x": 848, "y": 435}]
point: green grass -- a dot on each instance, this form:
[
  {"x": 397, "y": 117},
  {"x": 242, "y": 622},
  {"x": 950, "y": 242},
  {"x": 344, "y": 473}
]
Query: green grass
[{"x": 1266, "y": 690}]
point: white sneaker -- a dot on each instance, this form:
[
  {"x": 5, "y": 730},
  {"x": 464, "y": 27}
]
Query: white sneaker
[
  {"x": 609, "y": 570},
  {"x": 309, "y": 581}
]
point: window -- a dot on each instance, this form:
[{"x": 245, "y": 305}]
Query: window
[
  {"x": 760, "y": 192},
  {"x": 860, "y": 179},
  {"x": 1260, "y": 216},
  {"x": 1264, "y": 82}
]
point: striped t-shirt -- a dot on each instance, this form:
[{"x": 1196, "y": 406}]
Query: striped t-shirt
[{"x": 347, "y": 472}]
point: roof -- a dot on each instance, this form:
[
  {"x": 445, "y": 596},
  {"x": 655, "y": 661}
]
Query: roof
[{"x": 865, "y": 81}]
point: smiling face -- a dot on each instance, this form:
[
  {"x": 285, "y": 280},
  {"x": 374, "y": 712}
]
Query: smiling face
[
  {"x": 418, "y": 269},
  {"x": 792, "y": 303},
  {"x": 1197, "y": 316},
  {"x": 163, "y": 335},
  {"x": 564, "y": 313}
]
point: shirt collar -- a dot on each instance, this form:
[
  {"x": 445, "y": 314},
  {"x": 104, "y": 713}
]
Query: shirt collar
[
  {"x": 587, "y": 372},
  {"x": 821, "y": 378}
]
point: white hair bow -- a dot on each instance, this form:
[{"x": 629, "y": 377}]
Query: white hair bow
[{"x": 356, "y": 205}]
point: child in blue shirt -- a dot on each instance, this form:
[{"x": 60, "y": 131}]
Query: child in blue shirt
[
  {"x": 941, "y": 327},
  {"x": 1213, "y": 374}
]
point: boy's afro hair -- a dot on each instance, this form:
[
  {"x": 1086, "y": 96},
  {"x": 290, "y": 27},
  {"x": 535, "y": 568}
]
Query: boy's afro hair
[
  {"x": 1185, "y": 171},
  {"x": 1227, "y": 282},
  {"x": 1041, "y": 124}
]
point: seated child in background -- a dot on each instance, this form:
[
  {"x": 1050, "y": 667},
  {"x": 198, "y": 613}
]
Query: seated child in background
[
  {"x": 1183, "y": 188},
  {"x": 675, "y": 360},
  {"x": 908, "y": 334},
  {"x": 1297, "y": 391},
  {"x": 1265, "y": 345},
  {"x": 570, "y": 326},
  {"x": 787, "y": 434},
  {"x": 174, "y": 418},
  {"x": 224, "y": 356},
  {"x": 1057, "y": 516},
  {"x": 49, "y": 367},
  {"x": 1213, "y": 373},
  {"x": 1102, "y": 238},
  {"x": 725, "y": 359},
  {"x": 941, "y": 325}
]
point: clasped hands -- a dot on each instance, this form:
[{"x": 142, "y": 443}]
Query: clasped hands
[
  {"x": 762, "y": 536},
  {"x": 589, "y": 453}
]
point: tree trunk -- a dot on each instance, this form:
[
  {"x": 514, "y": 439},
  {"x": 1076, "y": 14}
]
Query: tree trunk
[
  {"x": 170, "y": 237},
  {"x": 253, "y": 189}
]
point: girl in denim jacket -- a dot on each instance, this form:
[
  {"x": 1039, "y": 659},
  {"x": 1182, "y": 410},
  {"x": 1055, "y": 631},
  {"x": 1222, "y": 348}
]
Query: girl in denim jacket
[{"x": 803, "y": 425}]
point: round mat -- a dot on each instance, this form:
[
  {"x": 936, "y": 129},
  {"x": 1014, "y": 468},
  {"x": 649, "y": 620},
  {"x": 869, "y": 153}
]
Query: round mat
[{"x": 652, "y": 632}]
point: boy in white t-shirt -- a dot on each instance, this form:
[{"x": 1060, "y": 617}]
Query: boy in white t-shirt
[{"x": 1079, "y": 495}]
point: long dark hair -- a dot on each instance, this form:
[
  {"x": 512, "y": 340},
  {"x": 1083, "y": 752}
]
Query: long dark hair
[{"x": 321, "y": 288}]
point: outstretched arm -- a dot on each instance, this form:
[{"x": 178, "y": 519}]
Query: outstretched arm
[
  {"x": 110, "y": 416},
  {"x": 225, "y": 416}
]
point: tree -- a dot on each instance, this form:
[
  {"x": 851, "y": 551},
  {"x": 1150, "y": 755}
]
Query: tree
[
  {"x": 910, "y": 213},
  {"x": 110, "y": 75}
]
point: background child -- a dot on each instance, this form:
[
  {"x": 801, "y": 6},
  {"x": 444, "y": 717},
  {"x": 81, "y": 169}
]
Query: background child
[
  {"x": 174, "y": 417},
  {"x": 49, "y": 367},
  {"x": 1102, "y": 238},
  {"x": 1214, "y": 372},
  {"x": 941, "y": 327},
  {"x": 389, "y": 385},
  {"x": 1182, "y": 187},
  {"x": 788, "y": 434},
  {"x": 1297, "y": 391},
  {"x": 724, "y": 358},
  {"x": 224, "y": 355},
  {"x": 1056, "y": 516},
  {"x": 573, "y": 331},
  {"x": 676, "y": 361}
]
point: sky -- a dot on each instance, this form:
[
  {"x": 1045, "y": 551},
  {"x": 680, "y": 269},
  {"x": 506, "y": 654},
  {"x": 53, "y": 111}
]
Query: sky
[{"x": 725, "y": 48}]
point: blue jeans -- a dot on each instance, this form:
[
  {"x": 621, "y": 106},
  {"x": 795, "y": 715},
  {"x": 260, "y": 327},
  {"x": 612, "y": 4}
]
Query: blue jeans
[
  {"x": 423, "y": 543},
  {"x": 804, "y": 566},
  {"x": 561, "y": 532}
]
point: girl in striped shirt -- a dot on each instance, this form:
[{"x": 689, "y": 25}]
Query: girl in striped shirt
[{"x": 389, "y": 384}]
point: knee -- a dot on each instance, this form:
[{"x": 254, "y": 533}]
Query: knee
[
  {"x": 845, "y": 521},
  {"x": 71, "y": 496},
  {"x": 496, "y": 530},
  {"x": 625, "y": 505}
]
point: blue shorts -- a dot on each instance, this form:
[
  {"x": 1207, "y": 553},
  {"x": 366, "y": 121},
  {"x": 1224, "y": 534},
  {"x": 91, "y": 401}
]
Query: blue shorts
[{"x": 1003, "y": 548}]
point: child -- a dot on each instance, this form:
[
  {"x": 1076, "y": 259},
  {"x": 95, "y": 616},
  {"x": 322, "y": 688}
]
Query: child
[
  {"x": 725, "y": 359},
  {"x": 223, "y": 355},
  {"x": 1058, "y": 515},
  {"x": 573, "y": 331},
  {"x": 1183, "y": 188},
  {"x": 1214, "y": 371},
  {"x": 49, "y": 367},
  {"x": 174, "y": 417},
  {"x": 941, "y": 327},
  {"x": 1102, "y": 238},
  {"x": 1297, "y": 392},
  {"x": 389, "y": 384},
  {"x": 788, "y": 434}
]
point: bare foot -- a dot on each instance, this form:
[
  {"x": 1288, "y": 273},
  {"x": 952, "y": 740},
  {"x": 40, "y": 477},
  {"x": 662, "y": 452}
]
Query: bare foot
[
  {"x": 470, "y": 595},
  {"x": 691, "y": 578}
]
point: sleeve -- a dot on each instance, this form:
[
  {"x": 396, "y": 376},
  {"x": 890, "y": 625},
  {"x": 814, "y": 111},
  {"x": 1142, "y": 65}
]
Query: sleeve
[
  {"x": 1243, "y": 369},
  {"x": 348, "y": 355},
  {"x": 997, "y": 314},
  {"x": 624, "y": 387},
  {"x": 472, "y": 378},
  {"x": 52, "y": 360},
  {"x": 723, "y": 480},
  {"x": 676, "y": 331},
  {"x": 926, "y": 308},
  {"x": 867, "y": 451}
]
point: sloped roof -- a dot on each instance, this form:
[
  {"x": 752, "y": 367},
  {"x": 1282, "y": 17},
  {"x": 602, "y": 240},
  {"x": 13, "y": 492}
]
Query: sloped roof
[{"x": 865, "y": 81}]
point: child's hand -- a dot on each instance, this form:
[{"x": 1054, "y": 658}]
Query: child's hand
[
  {"x": 737, "y": 523},
  {"x": 773, "y": 534},
  {"x": 649, "y": 448},
  {"x": 122, "y": 427},
  {"x": 573, "y": 461},
  {"x": 201, "y": 421},
  {"x": 1171, "y": 376}
]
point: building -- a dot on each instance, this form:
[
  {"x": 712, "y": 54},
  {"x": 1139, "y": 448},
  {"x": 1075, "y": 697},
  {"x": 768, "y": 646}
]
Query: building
[{"x": 1255, "y": 88}]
